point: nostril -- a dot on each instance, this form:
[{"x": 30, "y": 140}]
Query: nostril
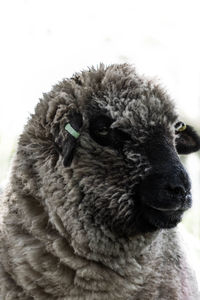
[{"x": 177, "y": 190}]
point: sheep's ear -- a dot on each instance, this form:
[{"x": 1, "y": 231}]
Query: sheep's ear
[
  {"x": 72, "y": 129},
  {"x": 187, "y": 141}
]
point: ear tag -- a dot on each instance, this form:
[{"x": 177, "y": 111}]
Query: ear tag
[
  {"x": 180, "y": 126},
  {"x": 183, "y": 128},
  {"x": 72, "y": 131}
]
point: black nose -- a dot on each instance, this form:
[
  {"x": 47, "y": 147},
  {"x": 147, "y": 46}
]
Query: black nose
[
  {"x": 167, "y": 185},
  {"x": 167, "y": 191},
  {"x": 176, "y": 189}
]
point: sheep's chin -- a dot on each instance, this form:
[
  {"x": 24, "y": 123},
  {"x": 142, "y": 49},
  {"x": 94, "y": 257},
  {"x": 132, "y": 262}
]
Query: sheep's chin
[{"x": 162, "y": 219}]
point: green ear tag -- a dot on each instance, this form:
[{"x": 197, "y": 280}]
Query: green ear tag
[{"x": 72, "y": 131}]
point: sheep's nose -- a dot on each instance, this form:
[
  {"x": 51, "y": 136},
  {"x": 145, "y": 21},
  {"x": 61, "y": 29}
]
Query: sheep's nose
[
  {"x": 167, "y": 192},
  {"x": 177, "y": 186},
  {"x": 175, "y": 192},
  {"x": 176, "y": 189},
  {"x": 167, "y": 186}
]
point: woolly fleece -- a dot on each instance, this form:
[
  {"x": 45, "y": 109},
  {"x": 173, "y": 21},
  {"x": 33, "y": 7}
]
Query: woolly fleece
[{"x": 56, "y": 242}]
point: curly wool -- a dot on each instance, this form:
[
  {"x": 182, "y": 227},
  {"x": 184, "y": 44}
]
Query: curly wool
[{"x": 57, "y": 240}]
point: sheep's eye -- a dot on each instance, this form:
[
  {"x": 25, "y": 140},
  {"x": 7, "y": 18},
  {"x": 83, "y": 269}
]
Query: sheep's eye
[
  {"x": 103, "y": 131},
  {"x": 180, "y": 126},
  {"x": 100, "y": 129}
]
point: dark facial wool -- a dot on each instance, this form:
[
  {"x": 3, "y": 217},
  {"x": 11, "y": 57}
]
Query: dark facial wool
[{"x": 96, "y": 190}]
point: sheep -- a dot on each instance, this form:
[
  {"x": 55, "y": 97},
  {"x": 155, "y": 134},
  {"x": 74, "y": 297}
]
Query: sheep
[{"x": 95, "y": 193}]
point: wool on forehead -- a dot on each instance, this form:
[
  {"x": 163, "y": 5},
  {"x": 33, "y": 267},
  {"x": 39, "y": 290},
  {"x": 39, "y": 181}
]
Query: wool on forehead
[{"x": 121, "y": 93}]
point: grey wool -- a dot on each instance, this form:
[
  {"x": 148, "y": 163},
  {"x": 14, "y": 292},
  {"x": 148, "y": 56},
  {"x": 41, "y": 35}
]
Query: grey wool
[{"x": 94, "y": 217}]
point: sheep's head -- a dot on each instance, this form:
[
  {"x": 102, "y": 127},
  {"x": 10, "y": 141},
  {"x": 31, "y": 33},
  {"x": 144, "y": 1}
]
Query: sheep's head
[{"x": 123, "y": 173}]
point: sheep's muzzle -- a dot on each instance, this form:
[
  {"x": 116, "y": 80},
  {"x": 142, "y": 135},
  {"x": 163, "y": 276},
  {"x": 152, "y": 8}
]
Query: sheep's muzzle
[{"x": 165, "y": 193}]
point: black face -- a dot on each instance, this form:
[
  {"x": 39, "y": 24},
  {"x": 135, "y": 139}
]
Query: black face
[
  {"x": 165, "y": 192},
  {"x": 165, "y": 196},
  {"x": 162, "y": 196}
]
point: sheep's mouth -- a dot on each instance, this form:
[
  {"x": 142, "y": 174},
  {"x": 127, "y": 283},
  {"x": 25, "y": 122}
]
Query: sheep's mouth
[
  {"x": 163, "y": 217},
  {"x": 163, "y": 200}
]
